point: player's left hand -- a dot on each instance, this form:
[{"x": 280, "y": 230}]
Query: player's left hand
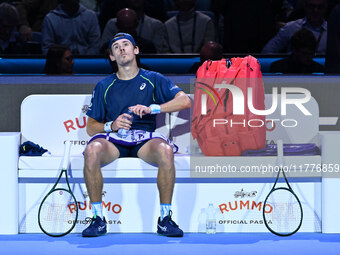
[{"x": 140, "y": 110}]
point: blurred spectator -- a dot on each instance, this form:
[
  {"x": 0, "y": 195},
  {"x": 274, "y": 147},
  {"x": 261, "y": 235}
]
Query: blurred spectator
[
  {"x": 286, "y": 9},
  {"x": 303, "y": 45},
  {"x": 90, "y": 4},
  {"x": 247, "y": 24},
  {"x": 73, "y": 25},
  {"x": 9, "y": 43},
  {"x": 299, "y": 9},
  {"x": 148, "y": 28},
  {"x": 331, "y": 5},
  {"x": 281, "y": 10},
  {"x": 210, "y": 51},
  {"x": 314, "y": 21},
  {"x": 59, "y": 60},
  {"x": 127, "y": 22},
  {"x": 189, "y": 29},
  {"x": 31, "y": 16},
  {"x": 333, "y": 42},
  {"x": 108, "y": 10}
]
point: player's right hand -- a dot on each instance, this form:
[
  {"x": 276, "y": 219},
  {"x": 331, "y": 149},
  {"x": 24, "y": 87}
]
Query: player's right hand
[{"x": 123, "y": 121}]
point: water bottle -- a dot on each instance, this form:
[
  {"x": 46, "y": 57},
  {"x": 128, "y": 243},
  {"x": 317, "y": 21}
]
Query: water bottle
[
  {"x": 202, "y": 219},
  {"x": 124, "y": 132},
  {"x": 211, "y": 220}
]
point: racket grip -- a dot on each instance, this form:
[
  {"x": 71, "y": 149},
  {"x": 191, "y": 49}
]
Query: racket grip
[
  {"x": 279, "y": 145},
  {"x": 66, "y": 157}
]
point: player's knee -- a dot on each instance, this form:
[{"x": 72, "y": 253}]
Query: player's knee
[
  {"x": 166, "y": 155},
  {"x": 93, "y": 150}
]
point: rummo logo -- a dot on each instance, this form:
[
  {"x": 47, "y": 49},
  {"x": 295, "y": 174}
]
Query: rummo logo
[
  {"x": 109, "y": 206},
  {"x": 242, "y": 194},
  {"x": 77, "y": 122},
  {"x": 239, "y": 205},
  {"x": 87, "y": 220},
  {"x": 85, "y": 108}
]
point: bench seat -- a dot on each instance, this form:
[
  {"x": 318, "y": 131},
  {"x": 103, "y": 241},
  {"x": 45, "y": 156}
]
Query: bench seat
[{"x": 47, "y": 166}]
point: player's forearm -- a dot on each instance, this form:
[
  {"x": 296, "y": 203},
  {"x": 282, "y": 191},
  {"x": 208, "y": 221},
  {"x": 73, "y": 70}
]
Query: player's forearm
[
  {"x": 94, "y": 127},
  {"x": 180, "y": 102}
]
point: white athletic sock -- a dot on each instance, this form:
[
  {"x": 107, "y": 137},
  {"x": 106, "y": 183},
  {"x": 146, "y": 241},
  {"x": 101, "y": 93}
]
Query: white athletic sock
[
  {"x": 165, "y": 210},
  {"x": 97, "y": 209}
]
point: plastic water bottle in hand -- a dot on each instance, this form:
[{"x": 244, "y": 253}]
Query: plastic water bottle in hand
[
  {"x": 211, "y": 220},
  {"x": 124, "y": 132}
]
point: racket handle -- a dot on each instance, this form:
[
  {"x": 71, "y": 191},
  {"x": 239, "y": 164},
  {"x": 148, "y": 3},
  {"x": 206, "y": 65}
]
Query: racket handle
[
  {"x": 279, "y": 145},
  {"x": 66, "y": 157}
]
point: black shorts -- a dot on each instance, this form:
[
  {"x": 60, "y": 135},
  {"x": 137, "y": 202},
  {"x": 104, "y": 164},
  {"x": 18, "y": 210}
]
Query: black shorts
[{"x": 129, "y": 151}]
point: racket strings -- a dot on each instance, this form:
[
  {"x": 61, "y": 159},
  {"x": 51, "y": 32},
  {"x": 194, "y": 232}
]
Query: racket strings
[
  {"x": 283, "y": 213},
  {"x": 58, "y": 212}
]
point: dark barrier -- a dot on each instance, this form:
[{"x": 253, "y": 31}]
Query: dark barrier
[{"x": 167, "y": 64}]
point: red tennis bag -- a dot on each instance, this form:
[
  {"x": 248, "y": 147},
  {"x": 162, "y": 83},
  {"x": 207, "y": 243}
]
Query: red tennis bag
[{"x": 222, "y": 122}]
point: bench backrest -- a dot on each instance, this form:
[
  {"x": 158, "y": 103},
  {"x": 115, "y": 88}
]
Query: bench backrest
[{"x": 49, "y": 120}]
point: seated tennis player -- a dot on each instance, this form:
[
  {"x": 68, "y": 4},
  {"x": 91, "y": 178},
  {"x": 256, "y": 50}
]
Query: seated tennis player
[{"x": 145, "y": 94}]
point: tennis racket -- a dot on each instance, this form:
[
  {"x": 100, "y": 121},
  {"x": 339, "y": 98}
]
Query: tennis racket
[
  {"x": 58, "y": 211},
  {"x": 282, "y": 210}
]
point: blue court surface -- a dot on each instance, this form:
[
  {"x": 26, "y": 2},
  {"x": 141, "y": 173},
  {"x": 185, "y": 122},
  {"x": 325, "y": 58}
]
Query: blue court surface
[{"x": 191, "y": 243}]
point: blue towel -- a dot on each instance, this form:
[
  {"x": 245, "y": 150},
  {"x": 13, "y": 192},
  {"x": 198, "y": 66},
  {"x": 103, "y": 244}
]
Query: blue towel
[{"x": 31, "y": 149}]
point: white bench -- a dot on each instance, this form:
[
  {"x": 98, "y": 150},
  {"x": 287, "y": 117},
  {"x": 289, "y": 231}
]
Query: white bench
[{"x": 130, "y": 194}]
